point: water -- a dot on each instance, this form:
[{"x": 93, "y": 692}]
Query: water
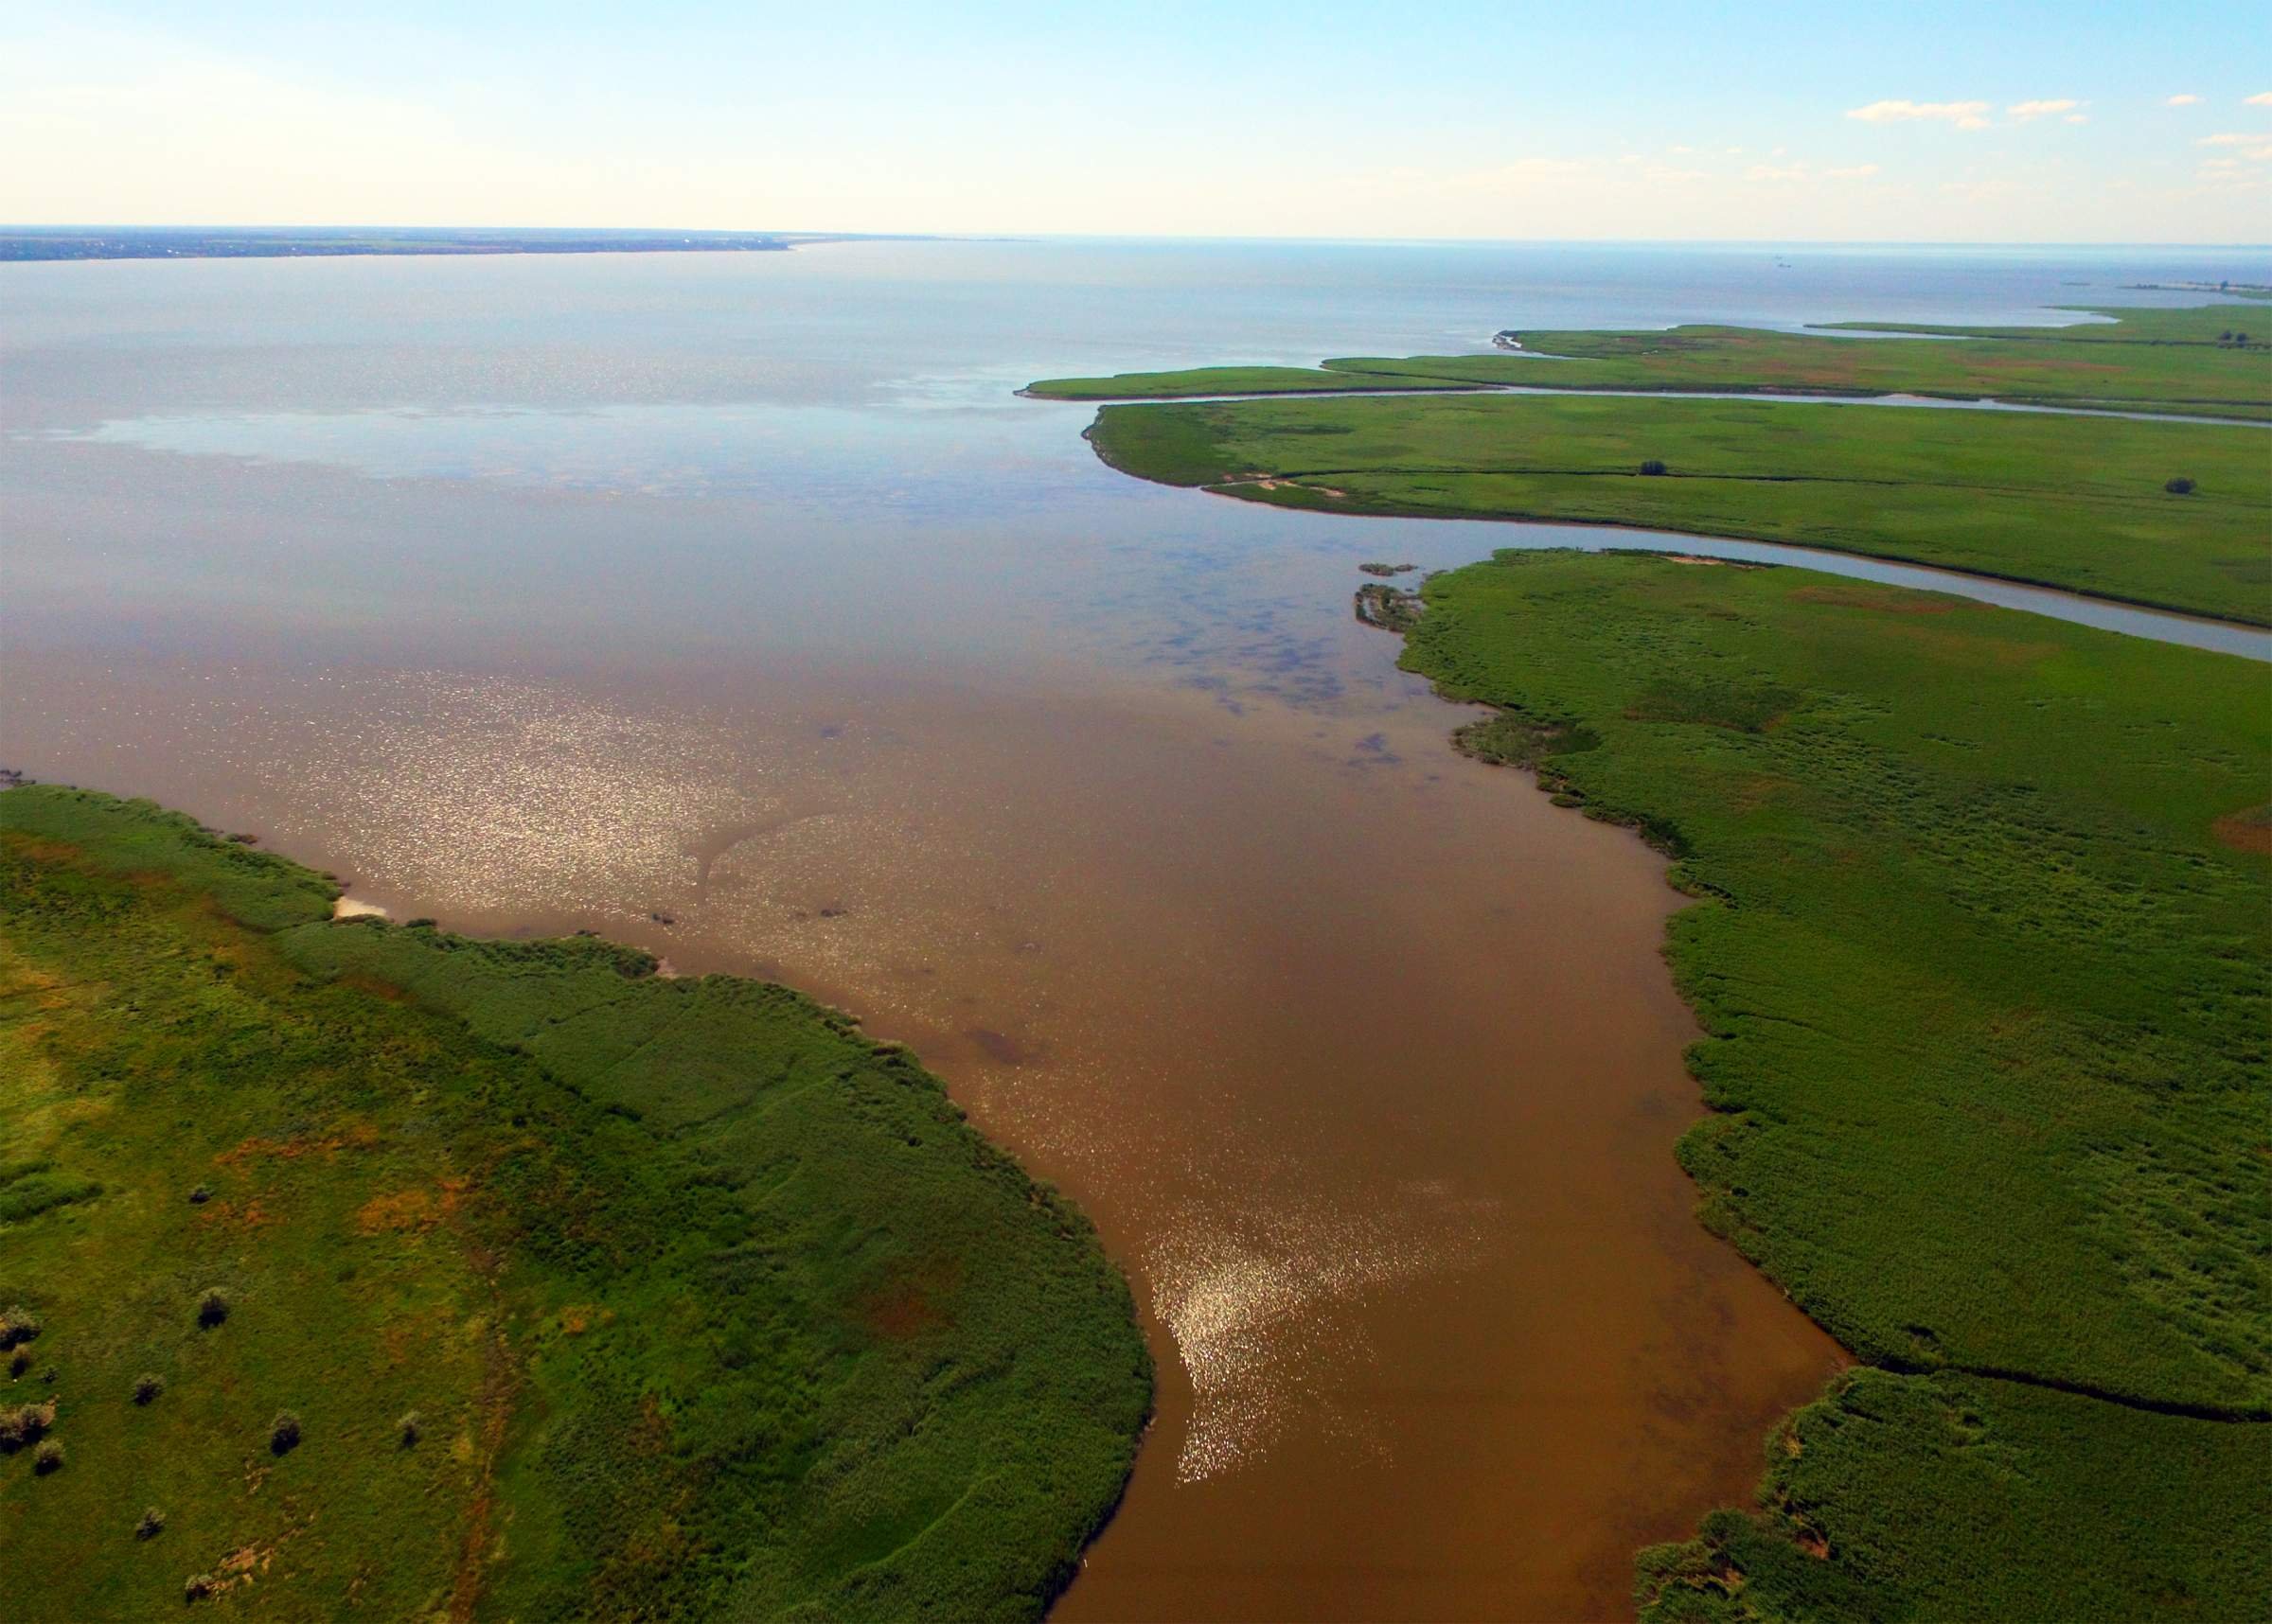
[{"x": 742, "y": 592}]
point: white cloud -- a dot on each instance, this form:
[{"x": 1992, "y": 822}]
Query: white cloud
[
  {"x": 2023, "y": 111},
  {"x": 2255, "y": 147},
  {"x": 1786, "y": 173},
  {"x": 1964, "y": 114},
  {"x": 2187, "y": 99},
  {"x": 2077, "y": 118},
  {"x": 2263, "y": 99}
]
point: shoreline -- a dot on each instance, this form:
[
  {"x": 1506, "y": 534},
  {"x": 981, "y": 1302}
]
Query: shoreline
[
  {"x": 91, "y": 245},
  {"x": 1823, "y": 395},
  {"x": 355, "y": 920},
  {"x": 1232, "y": 491}
]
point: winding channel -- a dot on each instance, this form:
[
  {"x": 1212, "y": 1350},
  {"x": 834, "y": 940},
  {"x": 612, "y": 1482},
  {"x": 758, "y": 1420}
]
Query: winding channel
[{"x": 2082, "y": 608}]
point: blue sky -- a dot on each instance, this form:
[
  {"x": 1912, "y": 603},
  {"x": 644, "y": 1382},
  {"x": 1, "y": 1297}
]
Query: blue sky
[{"x": 1976, "y": 122}]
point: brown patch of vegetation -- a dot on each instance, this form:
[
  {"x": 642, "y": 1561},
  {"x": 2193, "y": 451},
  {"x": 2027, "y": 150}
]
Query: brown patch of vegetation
[
  {"x": 396, "y": 1210},
  {"x": 249, "y": 1215},
  {"x": 362, "y": 1136},
  {"x": 2249, "y": 831},
  {"x": 373, "y": 985},
  {"x": 909, "y": 1304}
]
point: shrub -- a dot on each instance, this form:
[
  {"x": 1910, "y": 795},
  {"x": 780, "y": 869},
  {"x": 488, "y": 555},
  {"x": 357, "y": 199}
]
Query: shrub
[
  {"x": 47, "y": 1458},
  {"x": 18, "y": 1325},
  {"x": 152, "y": 1525},
  {"x": 198, "y": 1586},
  {"x": 24, "y": 1425},
  {"x": 212, "y": 1309},
  {"x": 284, "y": 1432},
  {"x": 2179, "y": 487},
  {"x": 199, "y": 1197},
  {"x": 1652, "y": 466},
  {"x": 409, "y": 1427},
  {"x": 148, "y": 1388},
  {"x": 18, "y": 1362}
]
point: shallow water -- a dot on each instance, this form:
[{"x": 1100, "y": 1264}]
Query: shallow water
[{"x": 734, "y": 607}]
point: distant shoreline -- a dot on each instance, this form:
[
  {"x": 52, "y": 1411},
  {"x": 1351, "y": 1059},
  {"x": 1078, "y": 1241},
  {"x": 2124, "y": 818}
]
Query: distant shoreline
[{"x": 47, "y": 244}]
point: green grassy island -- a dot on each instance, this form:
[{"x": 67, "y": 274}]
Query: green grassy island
[
  {"x": 2208, "y": 361},
  {"x": 354, "y": 1268},
  {"x": 1979, "y": 940},
  {"x": 2079, "y": 503}
]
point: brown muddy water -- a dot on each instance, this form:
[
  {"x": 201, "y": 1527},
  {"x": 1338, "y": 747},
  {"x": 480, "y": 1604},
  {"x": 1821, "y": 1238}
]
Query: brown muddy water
[
  {"x": 1360, "y": 1056},
  {"x": 662, "y": 599}
]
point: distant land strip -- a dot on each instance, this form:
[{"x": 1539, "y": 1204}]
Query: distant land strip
[{"x": 258, "y": 242}]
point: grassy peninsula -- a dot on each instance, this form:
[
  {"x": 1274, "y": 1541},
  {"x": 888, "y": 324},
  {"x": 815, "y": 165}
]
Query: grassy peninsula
[
  {"x": 2078, "y": 502},
  {"x": 348, "y": 1267},
  {"x": 1980, "y": 937},
  {"x": 2208, "y": 361},
  {"x": 1981, "y": 946}
]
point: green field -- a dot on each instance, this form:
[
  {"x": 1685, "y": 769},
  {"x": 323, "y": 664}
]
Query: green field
[
  {"x": 1981, "y": 946},
  {"x": 703, "y": 1304},
  {"x": 2212, "y": 360},
  {"x": 2066, "y": 501}
]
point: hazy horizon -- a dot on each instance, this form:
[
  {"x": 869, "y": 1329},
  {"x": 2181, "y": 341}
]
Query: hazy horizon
[{"x": 1665, "y": 122}]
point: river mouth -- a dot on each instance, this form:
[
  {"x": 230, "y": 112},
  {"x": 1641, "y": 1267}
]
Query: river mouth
[
  {"x": 1360, "y": 1054},
  {"x": 773, "y": 651}
]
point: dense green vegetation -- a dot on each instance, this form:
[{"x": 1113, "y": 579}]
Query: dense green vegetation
[
  {"x": 2212, "y": 360},
  {"x": 2069, "y": 502},
  {"x": 1981, "y": 946},
  {"x": 356, "y": 1268},
  {"x": 1941, "y": 1498}
]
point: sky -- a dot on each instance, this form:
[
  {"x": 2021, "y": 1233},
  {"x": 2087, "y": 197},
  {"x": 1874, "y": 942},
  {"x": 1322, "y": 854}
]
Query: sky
[{"x": 1989, "y": 121}]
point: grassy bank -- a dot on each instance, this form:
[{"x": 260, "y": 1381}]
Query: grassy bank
[
  {"x": 588, "y": 1293},
  {"x": 2184, "y": 362},
  {"x": 1982, "y": 947},
  {"x": 2066, "y": 502}
]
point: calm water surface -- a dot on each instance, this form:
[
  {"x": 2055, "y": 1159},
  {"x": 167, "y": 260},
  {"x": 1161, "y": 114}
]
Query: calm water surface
[{"x": 740, "y": 592}]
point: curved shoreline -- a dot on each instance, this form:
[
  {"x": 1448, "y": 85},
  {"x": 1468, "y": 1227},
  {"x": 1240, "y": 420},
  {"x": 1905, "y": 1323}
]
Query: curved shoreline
[
  {"x": 1779, "y": 1516},
  {"x": 1910, "y": 400},
  {"x": 764, "y": 1031},
  {"x": 2155, "y": 622}
]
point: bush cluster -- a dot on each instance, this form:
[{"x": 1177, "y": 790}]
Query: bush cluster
[
  {"x": 24, "y": 1425},
  {"x": 18, "y": 1325}
]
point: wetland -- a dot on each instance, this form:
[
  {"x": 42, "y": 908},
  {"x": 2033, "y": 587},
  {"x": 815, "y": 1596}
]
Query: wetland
[{"x": 661, "y": 597}]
